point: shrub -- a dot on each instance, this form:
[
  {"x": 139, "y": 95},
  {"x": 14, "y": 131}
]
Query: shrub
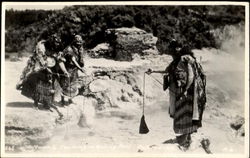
[{"x": 189, "y": 24}]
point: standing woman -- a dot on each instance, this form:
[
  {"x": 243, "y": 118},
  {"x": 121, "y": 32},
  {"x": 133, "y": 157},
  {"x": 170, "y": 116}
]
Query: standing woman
[
  {"x": 36, "y": 81},
  {"x": 183, "y": 101},
  {"x": 74, "y": 60}
]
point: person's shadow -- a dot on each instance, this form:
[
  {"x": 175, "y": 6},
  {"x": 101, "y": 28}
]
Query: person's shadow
[
  {"x": 31, "y": 105},
  {"x": 25, "y": 105},
  {"x": 170, "y": 141},
  {"x": 20, "y": 105}
]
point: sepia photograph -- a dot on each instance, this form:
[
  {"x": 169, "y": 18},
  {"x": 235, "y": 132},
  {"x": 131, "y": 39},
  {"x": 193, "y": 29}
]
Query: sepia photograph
[{"x": 125, "y": 79}]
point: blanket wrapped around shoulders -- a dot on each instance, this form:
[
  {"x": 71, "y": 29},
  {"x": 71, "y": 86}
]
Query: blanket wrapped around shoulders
[{"x": 185, "y": 110}]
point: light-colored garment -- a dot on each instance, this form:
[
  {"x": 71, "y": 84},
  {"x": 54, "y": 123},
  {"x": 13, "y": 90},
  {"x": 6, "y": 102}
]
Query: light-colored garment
[
  {"x": 40, "y": 51},
  {"x": 192, "y": 73},
  {"x": 195, "y": 103},
  {"x": 36, "y": 61}
]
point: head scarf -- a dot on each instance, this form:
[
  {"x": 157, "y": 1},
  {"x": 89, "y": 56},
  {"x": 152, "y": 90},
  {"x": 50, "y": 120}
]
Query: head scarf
[{"x": 78, "y": 40}]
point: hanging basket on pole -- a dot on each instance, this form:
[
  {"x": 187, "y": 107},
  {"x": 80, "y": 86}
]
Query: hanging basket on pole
[{"x": 143, "y": 129}]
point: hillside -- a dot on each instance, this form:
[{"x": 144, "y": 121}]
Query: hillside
[{"x": 189, "y": 24}]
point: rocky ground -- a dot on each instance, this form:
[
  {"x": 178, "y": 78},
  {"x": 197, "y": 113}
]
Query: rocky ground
[{"x": 106, "y": 117}]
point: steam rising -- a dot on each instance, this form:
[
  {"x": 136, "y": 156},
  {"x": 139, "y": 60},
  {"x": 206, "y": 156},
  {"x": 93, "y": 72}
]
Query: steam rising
[{"x": 225, "y": 66}]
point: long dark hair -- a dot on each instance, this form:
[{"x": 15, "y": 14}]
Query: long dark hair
[
  {"x": 50, "y": 43},
  {"x": 186, "y": 50}
]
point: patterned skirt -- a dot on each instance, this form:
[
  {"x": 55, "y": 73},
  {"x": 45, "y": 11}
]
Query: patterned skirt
[
  {"x": 42, "y": 93},
  {"x": 183, "y": 116},
  {"x": 69, "y": 86},
  {"x": 37, "y": 87}
]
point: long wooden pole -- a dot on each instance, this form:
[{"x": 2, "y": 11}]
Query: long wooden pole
[{"x": 163, "y": 72}]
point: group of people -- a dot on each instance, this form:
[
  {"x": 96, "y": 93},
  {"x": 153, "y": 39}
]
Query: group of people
[{"x": 51, "y": 64}]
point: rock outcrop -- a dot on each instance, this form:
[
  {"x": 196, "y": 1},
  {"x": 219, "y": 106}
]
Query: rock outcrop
[
  {"x": 238, "y": 124},
  {"x": 114, "y": 87},
  {"x": 128, "y": 41},
  {"x": 101, "y": 50}
]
